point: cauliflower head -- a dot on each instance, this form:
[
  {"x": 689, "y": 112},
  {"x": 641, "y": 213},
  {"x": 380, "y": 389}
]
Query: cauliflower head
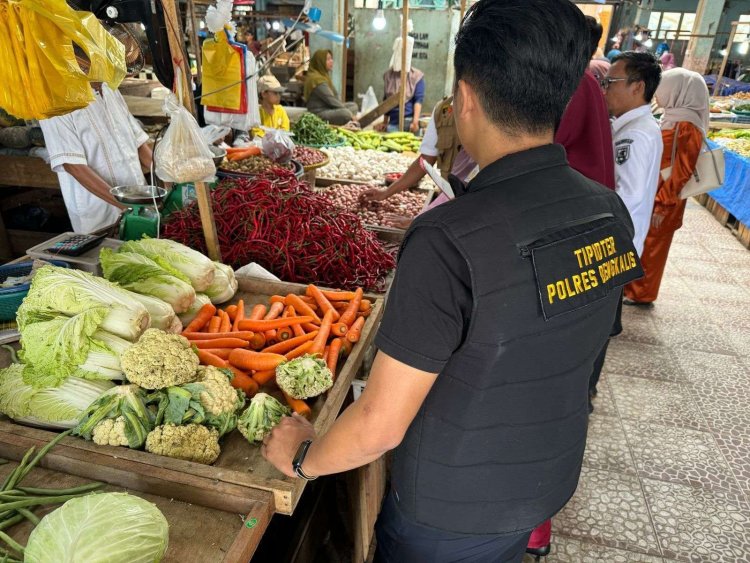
[
  {"x": 111, "y": 432},
  {"x": 261, "y": 416},
  {"x": 304, "y": 377},
  {"x": 191, "y": 442},
  {"x": 218, "y": 396},
  {"x": 160, "y": 360}
]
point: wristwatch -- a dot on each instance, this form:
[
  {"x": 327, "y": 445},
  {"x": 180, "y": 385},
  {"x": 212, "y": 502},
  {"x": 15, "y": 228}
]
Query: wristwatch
[{"x": 299, "y": 459}]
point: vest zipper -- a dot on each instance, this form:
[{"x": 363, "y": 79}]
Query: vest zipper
[{"x": 523, "y": 247}]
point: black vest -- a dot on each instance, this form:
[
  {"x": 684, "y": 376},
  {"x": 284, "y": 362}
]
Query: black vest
[{"x": 498, "y": 444}]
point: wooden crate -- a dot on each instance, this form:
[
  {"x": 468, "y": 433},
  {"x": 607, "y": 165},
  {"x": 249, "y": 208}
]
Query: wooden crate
[{"x": 239, "y": 479}]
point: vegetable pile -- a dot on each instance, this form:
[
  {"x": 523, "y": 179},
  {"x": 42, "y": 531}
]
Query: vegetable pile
[
  {"x": 364, "y": 165},
  {"x": 277, "y": 222},
  {"x": 735, "y": 140},
  {"x": 253, "y": 165},
  {"x": 408, "y": 203},
  {"x": 390, "y": 142},
  {"x": 307, "y": 156},
  {"x": 311, "y": 130}
]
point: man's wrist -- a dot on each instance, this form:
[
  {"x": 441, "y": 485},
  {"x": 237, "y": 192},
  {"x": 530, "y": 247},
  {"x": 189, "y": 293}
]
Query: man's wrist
[{"x": 298, "y": 462}]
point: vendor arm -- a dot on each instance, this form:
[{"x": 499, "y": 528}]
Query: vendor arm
[
  {"x": 411, "y": 178},
  {"x": 94, "y": 183},
  {"x": 146, "y": 156},
  {"x": 418, "y": 101}
]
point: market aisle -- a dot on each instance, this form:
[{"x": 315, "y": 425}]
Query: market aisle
[{"x": 667, "y": 470}]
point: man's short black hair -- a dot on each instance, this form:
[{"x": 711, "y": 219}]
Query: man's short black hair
[
  {"x": 595, "y": 33},
  {"x": 641, "y": 67},
  {"x": 524, "y": 59}
]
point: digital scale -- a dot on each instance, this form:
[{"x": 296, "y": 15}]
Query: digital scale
[{"x": 143, "y": 214}]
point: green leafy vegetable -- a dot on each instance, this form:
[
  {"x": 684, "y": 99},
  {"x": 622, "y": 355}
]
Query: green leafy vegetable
[
  {"x": 52, "y": 407},
  {"x": 120, "y": 417},
  {"x": 224, "y": 286},
  {"x": 140, "y": 274},
  {"x": 261, "y": 416},
  {"x": 304, "y": 377},
  {"x": 162, "y": 315},
  {"x": 100, "y": 528}
]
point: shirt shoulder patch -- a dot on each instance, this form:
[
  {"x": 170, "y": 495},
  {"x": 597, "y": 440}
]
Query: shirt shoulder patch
[
  {"x": 622, "y": 154},
  {"x": 623, "y": 142}
]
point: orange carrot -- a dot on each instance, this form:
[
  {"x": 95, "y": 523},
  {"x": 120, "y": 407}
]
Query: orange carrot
[
  {"x": 356, "y": 331},
  {"x": 322, "y": 302},
  {"x": 365, "y": 314},
  {"x": 340, "y": 306},
  {"x": 265, "y": 376},
  {"x": 243, "y": 381},
  {"x": 270, "y": 336},
  {"x": 350, "y": 315},
  {"x": 338, "y": 295},
  {"x": 291, "y": 344},
  {"x": 365, "y": 305},
  {"x": 276, "y": 299},
  {"x": 346, "y": 347},
  {"x": 204, "y": 316},
  {"x": 333, "y": 355},
  {"x": 231, "y": 311},
  {"x": 240, "y": 316},
  {"x": 214, "y": 324},
  {"x": 299, "y": 351},
  {"x": 243, "y": 335},
  {"x": 259, "y": 361},
  {"x": 258, "y": 312},
  {"x": 222, "y": 353},
  {"x": 257, "y": 341},
  {"x": 284, "y": 334},
  {"x": 262, "y": 326},
  {"x": 339, "y": 329},
  {"x": 226, "y": 324},
  {"x": 297, "y": 330},
  {"x": 301, "y": 307},
  {"x": 309, "y": 327},
  {"x": 220, "y": 343},
  {"x": 275, "y": 310},
  {"x": 208, "y": 359},
  {"x": 298, "y": 406},
  {"x": 246, "y": 152},
  {"x": 319, "y": 343}
]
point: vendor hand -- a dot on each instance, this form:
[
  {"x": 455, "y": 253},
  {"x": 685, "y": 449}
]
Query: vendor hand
[
  {"x": 398, "y": 221},
  {"x": 374, "y": 194},
  {"x": 414, "y": 127},
  {"x": 281, "y": 445},
  {"x": 657, "y": 220},
  {"x": 380, "y": 126}
]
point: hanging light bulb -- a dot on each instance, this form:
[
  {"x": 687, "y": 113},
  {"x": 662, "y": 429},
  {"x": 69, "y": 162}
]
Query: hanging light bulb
[
  {"x": 744, "y": 46},
  {"x": 275, "y": 26},
  {"x": 378, "y": 22}
]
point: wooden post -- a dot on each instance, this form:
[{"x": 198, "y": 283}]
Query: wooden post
[
  {"x": 463, "y": 12},
  {"x": 176, "y": 47},
  {"x": 404, "y": 42},
  {"x": 345, "y": 49},
  {"x": 194, "y": 39},
  {"x": 717, "y": 86}
]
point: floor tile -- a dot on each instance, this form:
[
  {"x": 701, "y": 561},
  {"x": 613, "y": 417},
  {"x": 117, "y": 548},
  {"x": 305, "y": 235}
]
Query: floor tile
[
  {"x": 657, "y": 402},
  {"x": 695, "y": 524},
  {"x": 641, "y": 360},
  {"x": 700, "y": 270},
  {"x": 679, "y": 455},
  {"x": 569, "y": 550},
  {"x": 640, "y": 328},
  {"x": 732, "y": 257},
  {"x": 729, "y": 317},
  {"x": 739, "y": 338},
  {"x": 735, "y": 447},
  {"x": 604, "y": 404},
  {"x": 608, "y": 509},
  {"x": 708, "y": 369},
  {"x": 707, "y": 336},
  {"x": 607, "y": 447}
]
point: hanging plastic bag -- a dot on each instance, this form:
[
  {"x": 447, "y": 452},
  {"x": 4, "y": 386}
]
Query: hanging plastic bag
[
  {"x": 241, "y": 122},
  {"x": 222, "y": 74},
  {"x": 40, "y": 72},
  {"x": 182, "y": 155},
  {"x": 369, "y": 100},
  {"x": 278, "y": 145},
  {"x": 213, "y": 133}
]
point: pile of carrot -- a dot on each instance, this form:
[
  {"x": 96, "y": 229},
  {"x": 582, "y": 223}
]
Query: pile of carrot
[
  {"x": 254, "y": 341},
  {"x": 240, "y": 153}
]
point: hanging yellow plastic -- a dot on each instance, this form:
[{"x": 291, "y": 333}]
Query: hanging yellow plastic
[
  {"x": 40, "y": 74},
  {"x": 222, "y": 74}
]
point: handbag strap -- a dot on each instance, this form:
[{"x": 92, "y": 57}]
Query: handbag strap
[
  {"x": 674, "y": 144},
  {"x": 713, "y": 157}
]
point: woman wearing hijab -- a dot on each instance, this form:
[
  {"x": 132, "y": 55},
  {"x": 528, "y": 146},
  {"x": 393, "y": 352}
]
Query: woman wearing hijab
[
  {"x": 684, "y": 97},
  {"x": 667, "y": 60},
  {"x": 320, "y": 95}
]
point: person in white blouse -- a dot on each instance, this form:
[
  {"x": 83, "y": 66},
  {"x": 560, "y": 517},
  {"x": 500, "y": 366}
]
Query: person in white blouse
[{"x": 93, "y": 150}]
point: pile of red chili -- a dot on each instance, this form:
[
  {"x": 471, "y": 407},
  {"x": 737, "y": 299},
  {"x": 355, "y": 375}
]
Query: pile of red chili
[{"x": 279, "y": 223}]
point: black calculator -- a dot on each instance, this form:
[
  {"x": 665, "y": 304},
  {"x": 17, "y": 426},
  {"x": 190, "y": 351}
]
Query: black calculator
[{"x": 75, "y": 245}]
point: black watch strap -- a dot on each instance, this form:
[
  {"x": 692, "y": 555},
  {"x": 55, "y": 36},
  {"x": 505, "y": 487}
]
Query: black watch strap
[{"x": 299, "y": 459}]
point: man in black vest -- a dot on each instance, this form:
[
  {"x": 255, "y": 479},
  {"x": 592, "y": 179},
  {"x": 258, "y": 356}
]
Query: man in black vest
[{"x": 502, "y": 300}]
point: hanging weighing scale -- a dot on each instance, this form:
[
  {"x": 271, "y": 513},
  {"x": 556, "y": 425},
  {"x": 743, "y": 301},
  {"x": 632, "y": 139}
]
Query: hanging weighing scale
[{"x": 142, "y": 217}]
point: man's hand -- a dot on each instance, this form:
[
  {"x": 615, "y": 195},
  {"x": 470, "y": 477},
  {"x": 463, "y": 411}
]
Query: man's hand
[
  {"x": 382, "y": 126},
  {"x": 656, "y": 220},
  {"x": 398, "y": 221},
  {"x": 280, "y": 446},
  {"x": 414, "y": 127},
  {"x": 374, "y": 194}
]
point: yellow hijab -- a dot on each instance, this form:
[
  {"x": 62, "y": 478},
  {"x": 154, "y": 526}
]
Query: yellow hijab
[{"x": 317, "y": 74}]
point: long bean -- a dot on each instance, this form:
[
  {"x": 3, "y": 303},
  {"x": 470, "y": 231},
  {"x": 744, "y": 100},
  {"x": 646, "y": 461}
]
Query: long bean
[
  {"x": 13, "y": 544},
  {"x": 30, "y": 516},
  {"x": 35, "y": 501},
  {"x": 11, "y": 521},
  {"x": 10, "y": 481},
  {"x": 43, "y": 452}
]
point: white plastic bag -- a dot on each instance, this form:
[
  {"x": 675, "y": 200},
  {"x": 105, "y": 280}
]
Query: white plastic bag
[
  {"x": 182, "y": 155},
  {"x": 278, "y": 145},
  {"x": 369, "y": 100},
  {"x": 214, "y": 133}
]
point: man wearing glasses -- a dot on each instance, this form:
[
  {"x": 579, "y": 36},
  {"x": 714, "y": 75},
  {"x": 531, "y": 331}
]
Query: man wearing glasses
[{"x": 629, "y": 87}]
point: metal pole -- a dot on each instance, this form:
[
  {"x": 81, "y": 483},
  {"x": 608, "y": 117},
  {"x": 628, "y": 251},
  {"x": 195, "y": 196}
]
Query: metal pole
[
  {"x": 404, "y": 42},
  {"x": 345, "y": 49},
  {"x": 717, "y": 86}
]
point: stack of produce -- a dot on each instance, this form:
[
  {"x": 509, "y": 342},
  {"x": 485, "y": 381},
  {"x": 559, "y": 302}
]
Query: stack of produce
[
  {"x": 294, "y": 340},
  {"x": 307, "y": 156},
  {"x": 390, "y": 142},
  {"x": 408, "y": 203},
  {"x": 277, "y": 222},
  {"x": 364, "y": 165},
  {"x": 735, "y": 140},
  {"x": 312, "y": 131},
  {"x": 252, "y": 165}
]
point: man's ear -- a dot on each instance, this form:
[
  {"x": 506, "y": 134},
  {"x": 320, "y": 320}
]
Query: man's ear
[
  {"x": 466, "y": 99},
  {"x": 640, "y": 89}
]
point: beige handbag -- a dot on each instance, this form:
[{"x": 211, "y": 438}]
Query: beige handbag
[{"x": 708, "y": 174}]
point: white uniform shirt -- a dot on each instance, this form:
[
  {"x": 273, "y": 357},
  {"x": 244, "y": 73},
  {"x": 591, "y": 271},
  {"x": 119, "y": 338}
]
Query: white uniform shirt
[
  {"x": 430, "y": 139},
  {"x": 106, "y": 137},
  {"x": 638, "y": 148}
]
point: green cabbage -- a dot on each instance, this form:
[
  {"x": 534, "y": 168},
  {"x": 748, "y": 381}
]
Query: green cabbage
[
  {"x": 177, "y": 259},
  {"x": 72, "y": 292},
  {"x": 100, "y": 528},
  {"x": 140, "y": 274},
  {"x": 224, "y": 286},
  {"x": 53, "y": 407}
]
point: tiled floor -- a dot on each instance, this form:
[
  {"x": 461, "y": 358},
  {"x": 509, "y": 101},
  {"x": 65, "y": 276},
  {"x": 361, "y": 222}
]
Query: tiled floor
[{"x": 667, "y": 469}]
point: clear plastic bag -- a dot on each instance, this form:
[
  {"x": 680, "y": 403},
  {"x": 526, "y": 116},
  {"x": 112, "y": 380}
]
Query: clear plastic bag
[
  {"x": 369, "y": 100},
  {"x": 182, "y": 155},
  {"x": 278, "y": 145}
]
